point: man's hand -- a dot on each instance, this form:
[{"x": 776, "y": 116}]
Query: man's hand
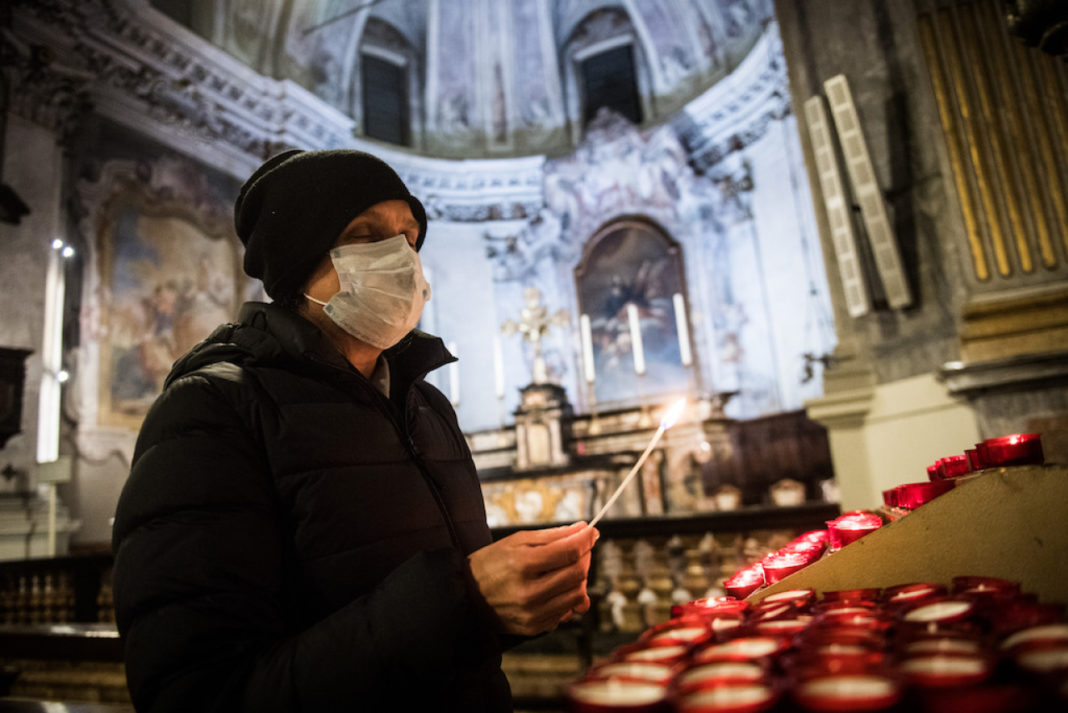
[{"x": 535, "y": 579}]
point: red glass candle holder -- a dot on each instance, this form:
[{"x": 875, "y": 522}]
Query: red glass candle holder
[
  {"x": 974, "y": 461},
  {"x": 797, "y": 597},
  {"x": 1049, "y": 659},
  {"x": 913, "y": 495},
  {"x": 729, "y": 697},
  {"x": 745, "y": 581},
  {"x": 684, "y": 631},
  {"x": 846, "y": 595},
  {"x": 710, "y": 606},
  {"x": 706, "y": 674},
  {"x": 743, "y": 648},
  {"x": 661, "y": 674},
  {"x": 981, "y": 585},
  {"x": 617, "y": 696},
  {"x": 1014, "y": 449},
  {"x": 938, "y": 610},
  {"x": 941, "y": 645},
  {"x": 943, "y": 670},
  {"x": 1036, "y": 635},
  {"x": 908, "y": 594},
  {"x": 780, "y": 565},
  {"x": 782, "y": 627},
  {"x": 847, "y": 529},
  {"x": 849, "y": 692},
  {"x": 952, "y": 466},
  {"x": 668, "y": 655}
]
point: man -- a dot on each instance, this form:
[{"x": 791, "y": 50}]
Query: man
[{"x": 303, "y": 527}]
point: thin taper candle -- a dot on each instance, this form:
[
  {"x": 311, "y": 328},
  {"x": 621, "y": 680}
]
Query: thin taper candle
[
  {"x": 636, "y": 339},
  {"x": 587, "y": 348},
  {"x": 666, "y": 422}
]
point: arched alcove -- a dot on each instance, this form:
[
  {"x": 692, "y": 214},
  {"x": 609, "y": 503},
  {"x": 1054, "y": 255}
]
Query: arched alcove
[{"x": 631, "y": 278}]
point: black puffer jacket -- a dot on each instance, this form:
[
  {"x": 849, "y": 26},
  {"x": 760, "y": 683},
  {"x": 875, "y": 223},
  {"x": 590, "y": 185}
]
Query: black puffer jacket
[{"x": 290, "y": 539}]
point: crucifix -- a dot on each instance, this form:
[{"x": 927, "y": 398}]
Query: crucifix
[{"x": 534, "y": 322}]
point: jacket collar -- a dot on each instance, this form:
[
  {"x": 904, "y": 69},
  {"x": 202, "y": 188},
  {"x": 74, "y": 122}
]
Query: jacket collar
[{"x": 410, "y": 359}]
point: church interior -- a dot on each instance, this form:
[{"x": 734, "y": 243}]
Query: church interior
[{"x": 837, "y": 230}]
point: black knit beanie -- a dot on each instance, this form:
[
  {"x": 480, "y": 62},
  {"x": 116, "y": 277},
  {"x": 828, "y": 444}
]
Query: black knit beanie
[{"x": 293, "y": 208}]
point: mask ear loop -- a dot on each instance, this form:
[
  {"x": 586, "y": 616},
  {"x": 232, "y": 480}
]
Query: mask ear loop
[{"x": 314, "y": 300}]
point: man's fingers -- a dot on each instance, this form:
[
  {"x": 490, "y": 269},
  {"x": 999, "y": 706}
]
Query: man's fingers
[
  {"x": 559, "y": 553},
  {"x": 561, "y": 580},
  {"x": 549, "y": 534}
]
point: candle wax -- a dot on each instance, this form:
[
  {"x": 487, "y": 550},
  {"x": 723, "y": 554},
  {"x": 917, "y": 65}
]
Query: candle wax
[
  {"x": 848, "y": 687},
  {"x": 1044, "y": 660},
  {"x": 945, "y": 665},
  {"x": 751, "y": 647},
  {"x": 635, "y": 669},
  {"x": 938, "y": 611},
  {"x": 1036, "y": 633},
  {"x": 735, "y": 670},
  {"x": 618, "y": 692},
  {"x": 725, "y": 696},
  {"x": 685, "y": 633},
  {"x": 656, "y": 653}
]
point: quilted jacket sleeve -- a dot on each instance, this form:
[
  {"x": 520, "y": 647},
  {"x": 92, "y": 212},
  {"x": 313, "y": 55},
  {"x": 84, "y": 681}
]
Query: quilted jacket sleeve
[{"x": 200, "y": 587}]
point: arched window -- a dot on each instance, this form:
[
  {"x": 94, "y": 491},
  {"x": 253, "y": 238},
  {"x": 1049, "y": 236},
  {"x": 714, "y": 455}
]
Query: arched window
[
  {"x": 631, "y": 288},
  {"x": 604, "y": 67},
  {"x": 385, "y": 100}
]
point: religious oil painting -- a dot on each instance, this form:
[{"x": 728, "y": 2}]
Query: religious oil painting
[
  {"x": 168, "y": 283},
  {"x": 630, "y": 285}
]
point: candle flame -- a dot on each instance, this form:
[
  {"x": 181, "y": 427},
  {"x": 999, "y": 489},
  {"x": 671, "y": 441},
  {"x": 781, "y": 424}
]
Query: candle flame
[{"x": 672, "y": 414}]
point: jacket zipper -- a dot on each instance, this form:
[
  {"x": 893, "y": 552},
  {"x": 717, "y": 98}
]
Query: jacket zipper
[{"x": 412, "y": 451}]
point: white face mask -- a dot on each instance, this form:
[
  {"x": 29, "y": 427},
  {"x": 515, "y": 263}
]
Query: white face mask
[{"x": 383, "y": 290}]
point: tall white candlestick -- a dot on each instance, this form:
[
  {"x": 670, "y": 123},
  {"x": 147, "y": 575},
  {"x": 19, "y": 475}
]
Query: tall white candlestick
[
  {"x": 498, "y": 367},
  {"x": 454, "y": 378},
  {"x": 666, "y": 422},
  {"x": 50, "y": 394},
  {"x": 682, "y": 326},
  {"x": 636, "y": 339},
  {"x": 587, "y": 349}
]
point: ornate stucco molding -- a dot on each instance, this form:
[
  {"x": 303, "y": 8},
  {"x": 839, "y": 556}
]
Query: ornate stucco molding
[
  {"x": 143, "y": 71},
  {"x": 737, "y": 110}
]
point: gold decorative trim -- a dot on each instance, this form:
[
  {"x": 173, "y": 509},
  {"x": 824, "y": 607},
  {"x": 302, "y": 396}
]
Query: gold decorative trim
[{"x": 953, "y": 143}]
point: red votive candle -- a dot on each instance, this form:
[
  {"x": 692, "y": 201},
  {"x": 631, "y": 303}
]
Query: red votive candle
[
  {"x": 933, "y": 472},
  {"x": 685, "y": 631},
  {"x": 782, "y": 627},
  {"x": 745, "y": 581},
  {"x": 849, "y": 595},
  {"x": 632, "y": 671},
  {"x": 847, "y": 693},
  {"x": 983, "y": 585},
  {"x": 778, "y": 566},
  {"x": 913, "y": 495},
  {"x": 850, "y": 528},
  {"x": 940, "y": 670},
  {"x": 974, "y": 461},
  {"x": 743, "y": 648},
  {"x": 667, "y": 655},
  {"x": 799, "y": 597},
  {"x": 710, "y": 606},
  {"x": 728, "y": 697},
  {"x": 1044, "y": 659},
  {"x": 617, "y": 696},
  {"x": 1036, "y": 635},
  {"x": 1014, "y": 449},
  {"x": 719, "y": 672},
  {"x": 942, "y": 645},
  {"x": 953, "y": 466},
  {"x": 939, "y": 610},
  {"x": 912, "y": 593}
]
